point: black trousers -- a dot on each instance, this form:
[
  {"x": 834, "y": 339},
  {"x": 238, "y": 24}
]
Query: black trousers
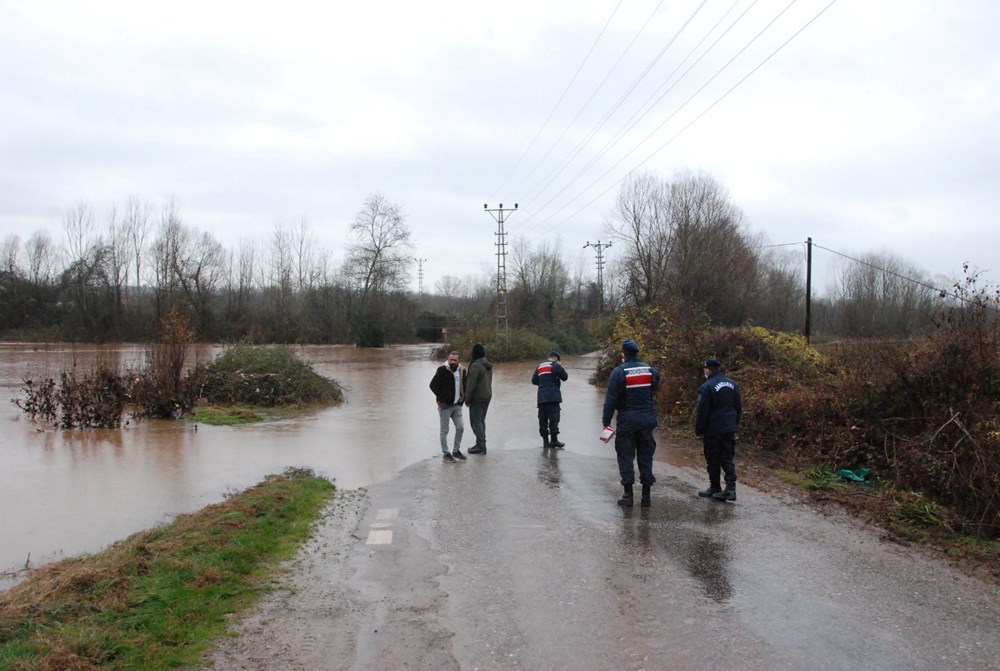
[
  {"x": 640, "y": 446},
  {"x": 720, "y": 448},
  {"x": 548, "y": 419}
]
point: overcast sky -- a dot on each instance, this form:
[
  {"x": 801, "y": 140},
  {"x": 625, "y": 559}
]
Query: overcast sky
[{"x": 873, "y": 129}]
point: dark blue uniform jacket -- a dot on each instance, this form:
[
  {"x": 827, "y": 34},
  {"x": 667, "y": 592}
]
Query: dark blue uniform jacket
[
  {"x": 719, "y": 406},
  {"x": 630, "y": 392},
  {"x": 548, "y": 376}
]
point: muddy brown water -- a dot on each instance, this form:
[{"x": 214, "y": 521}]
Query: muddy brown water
[{"x": 64, "y": 493}]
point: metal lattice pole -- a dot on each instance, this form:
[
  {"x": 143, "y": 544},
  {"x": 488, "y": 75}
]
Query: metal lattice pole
[
  {"x": 420, "y": 278},
  {"x": 501, "y": 245},
  {"x": 600, "y": 247}
]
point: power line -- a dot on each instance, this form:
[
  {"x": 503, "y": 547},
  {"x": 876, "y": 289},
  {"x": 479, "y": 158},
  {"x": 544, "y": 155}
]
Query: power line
[
  {"x": 938, "y": 290},
  {"x": 565, "y": 91},
  {"x": 559, "y": 169},
  {"x": 693, "y": 121},
  {"x": 632, "y": 121},
  {"x": 593, "y": 94}
]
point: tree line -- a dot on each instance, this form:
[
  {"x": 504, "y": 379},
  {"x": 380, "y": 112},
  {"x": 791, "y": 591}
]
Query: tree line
[{"x": 680, "y": 241}]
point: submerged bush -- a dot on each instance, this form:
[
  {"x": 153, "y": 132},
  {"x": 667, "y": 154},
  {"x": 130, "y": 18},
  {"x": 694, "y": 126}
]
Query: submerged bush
[
  {"x": 262, "y": 376},
  {"x": 94, "y": 399}
]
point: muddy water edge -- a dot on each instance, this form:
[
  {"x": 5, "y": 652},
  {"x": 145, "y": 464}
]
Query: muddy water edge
[{"x": 65, "y": 492}]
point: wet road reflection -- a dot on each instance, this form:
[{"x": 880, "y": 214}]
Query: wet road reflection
[{"x": 548, "y": 469}]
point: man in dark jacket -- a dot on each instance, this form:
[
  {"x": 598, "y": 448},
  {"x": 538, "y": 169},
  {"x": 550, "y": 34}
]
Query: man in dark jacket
[
  {"x": 478, "y": 393},
  {"x": 630, "y": 393},
  {"x": 448, "y": 385},
  {"x": 547, "y": 377},
  {"x": 716, "y": 421}
]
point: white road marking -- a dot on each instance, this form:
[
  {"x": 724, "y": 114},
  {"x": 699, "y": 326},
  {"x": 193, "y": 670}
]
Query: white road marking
[
  {"x": 380, "y": 537},
  {"x": 387, "y": 514}
]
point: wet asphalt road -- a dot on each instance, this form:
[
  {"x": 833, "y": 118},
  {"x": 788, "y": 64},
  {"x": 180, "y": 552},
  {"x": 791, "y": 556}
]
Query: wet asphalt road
[{"x": 520, "y": 559}]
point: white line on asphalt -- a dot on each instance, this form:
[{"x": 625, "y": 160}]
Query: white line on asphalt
[{"x": 380, "y": 537}]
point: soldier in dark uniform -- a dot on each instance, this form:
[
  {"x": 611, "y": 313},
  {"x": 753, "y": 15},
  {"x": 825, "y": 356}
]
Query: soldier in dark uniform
[
  {"x": 716, "y": 421},
  {"x": 630, "y": 394},
  {"x": 547, "y": 377}
]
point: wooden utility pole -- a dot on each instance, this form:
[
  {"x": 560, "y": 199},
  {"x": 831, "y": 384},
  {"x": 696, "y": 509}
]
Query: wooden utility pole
[{"x": 809, "y": 277}]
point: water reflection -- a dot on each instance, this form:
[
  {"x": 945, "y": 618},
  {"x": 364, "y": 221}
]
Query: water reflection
[
  {"x": 548, "y": 468},
  {"x": 708, "y": 554},
  {"x": 707, "y": 560},
  {"x": 687, "y": 531}
]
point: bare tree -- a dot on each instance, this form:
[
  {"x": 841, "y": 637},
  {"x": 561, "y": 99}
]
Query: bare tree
[
  {"x": 41, "y": 254},
  {"x": 281, "y": 272},
  {"x": 377, "y": 265},
  {"x": 450, "y": 286},
  {"x": 684, "y": 240},
  {"x": 641, "y": 225},
  {"x": 166, "y": 250},
  {"x": 781, "y": 303},
  {"x": 10, "y": 253},
  {"x": 305, "y": 254},
  {"x": 714, "y": 262},
  {"x": 879, "y": 295},
  {"x": 137, "y": 223},
  {"x": 118, "y": 258},
  {"x": 540, "y": 284},
  {"x": 78, "y": 228}
]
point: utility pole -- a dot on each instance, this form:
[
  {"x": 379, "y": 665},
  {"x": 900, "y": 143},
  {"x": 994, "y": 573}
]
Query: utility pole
[
  {"x": 809, "y": 281},
  {"x": 600, "y": 247},
  {"x": 420, "y": 278},
  {"x": 501, "y": 245}
]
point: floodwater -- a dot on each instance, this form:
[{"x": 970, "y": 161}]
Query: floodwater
[{"x": 67, "y": 492}]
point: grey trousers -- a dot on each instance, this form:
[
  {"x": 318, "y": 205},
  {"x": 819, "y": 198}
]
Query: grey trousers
[{"x": 453, "y": 413}]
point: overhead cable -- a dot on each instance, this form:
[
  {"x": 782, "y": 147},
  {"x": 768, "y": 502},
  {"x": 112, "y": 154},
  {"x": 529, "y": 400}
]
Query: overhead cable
[
  {"x": 690, "y": 123},
  {"x": 558, "y": 102}
]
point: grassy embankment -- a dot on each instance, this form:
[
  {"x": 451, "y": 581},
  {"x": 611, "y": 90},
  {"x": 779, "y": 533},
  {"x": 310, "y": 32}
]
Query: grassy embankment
[{"x": 158, "y": 599}]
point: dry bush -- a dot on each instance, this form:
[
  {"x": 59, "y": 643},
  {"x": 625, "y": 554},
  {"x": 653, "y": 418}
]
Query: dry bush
[{"x": 924, "y": 413}]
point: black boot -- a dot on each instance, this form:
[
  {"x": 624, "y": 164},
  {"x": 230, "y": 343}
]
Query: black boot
[
  {"x": 626, "y": 498},
  {"x": 710, "y": 492},
  {"x": 728, "y": 494},
  {"x": 645, "y": 502},
  {"x": 545, "y": 441},
  {"x": 555, "y": 442}
]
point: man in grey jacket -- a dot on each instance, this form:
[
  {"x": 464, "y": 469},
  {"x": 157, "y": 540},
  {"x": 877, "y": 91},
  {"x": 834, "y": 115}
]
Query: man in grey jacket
[{"x": 478, "y": 393}]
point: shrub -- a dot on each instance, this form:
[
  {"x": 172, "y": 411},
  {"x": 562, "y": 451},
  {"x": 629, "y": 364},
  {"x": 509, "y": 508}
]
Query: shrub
[
  {"x": 519, "y": 345},
  {"x": 95, "y": 399},
  {"x": 262, "y": 376}
]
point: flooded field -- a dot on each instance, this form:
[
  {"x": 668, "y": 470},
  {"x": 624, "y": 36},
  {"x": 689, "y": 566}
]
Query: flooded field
[{"x": 66, "y": 492}]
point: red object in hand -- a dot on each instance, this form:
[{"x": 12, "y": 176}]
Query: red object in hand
[{"x": 607, "y": 434}]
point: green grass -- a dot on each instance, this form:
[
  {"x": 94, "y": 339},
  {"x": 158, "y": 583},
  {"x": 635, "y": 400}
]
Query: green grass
[
  {"x": 235, "y": 415},
  {"x": 823, "y": 478},
  {"x": 158, "y": 599}
]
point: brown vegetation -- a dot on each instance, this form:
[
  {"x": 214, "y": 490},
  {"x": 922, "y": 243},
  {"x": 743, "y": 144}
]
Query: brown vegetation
[{"x": 922, "y": 413}]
